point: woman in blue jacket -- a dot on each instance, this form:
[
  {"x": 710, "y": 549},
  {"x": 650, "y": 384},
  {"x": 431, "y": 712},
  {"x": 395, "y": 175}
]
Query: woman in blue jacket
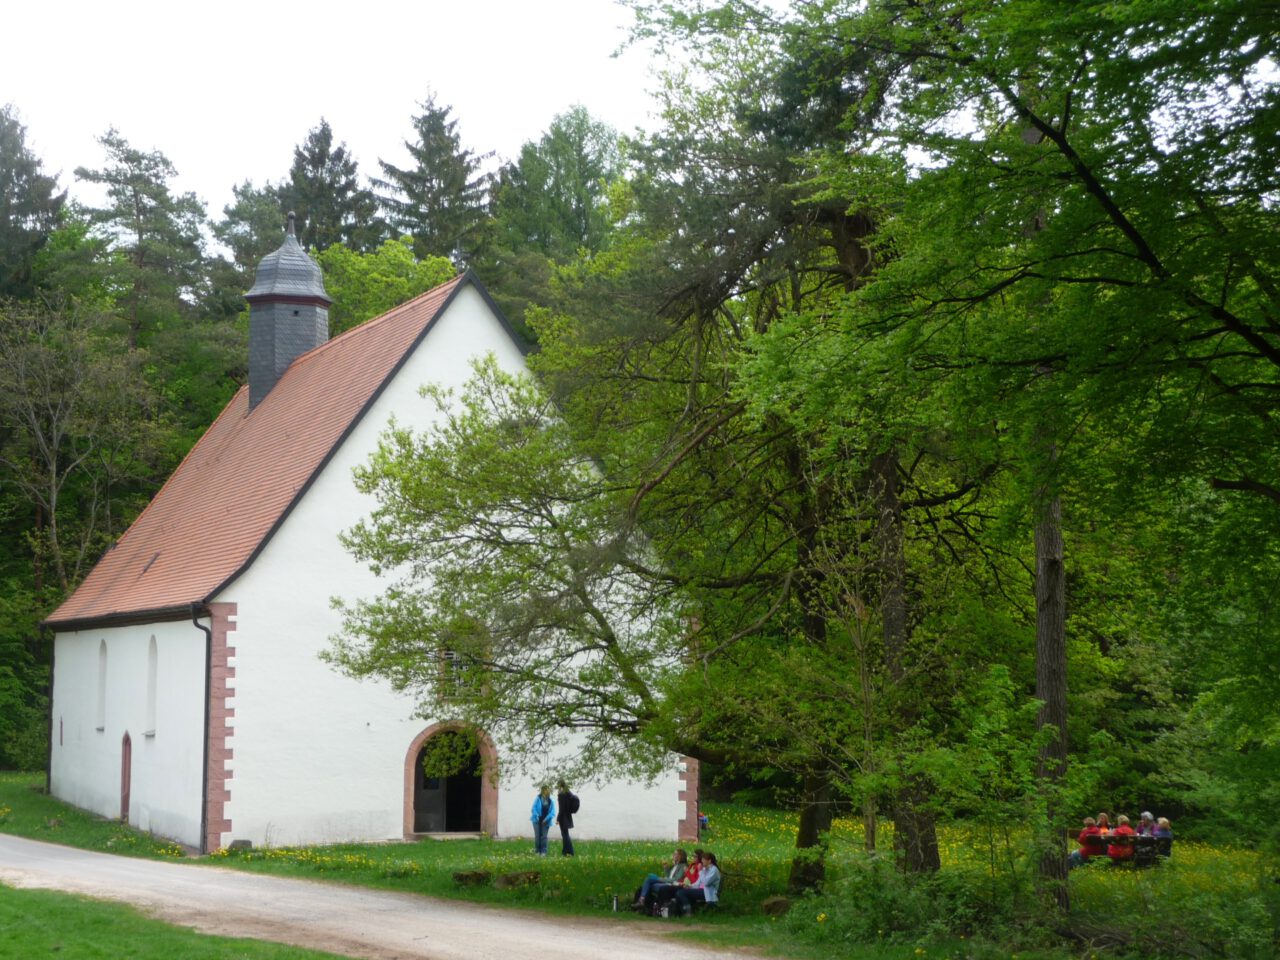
[{"x": 542, "y": 816}]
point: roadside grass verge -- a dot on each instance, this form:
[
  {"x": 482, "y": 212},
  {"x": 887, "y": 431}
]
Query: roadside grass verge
[
  {"x": 1207, "y": 901},
  {"x": 27, "y": 811},
  {"x": 41, "y": 923}
]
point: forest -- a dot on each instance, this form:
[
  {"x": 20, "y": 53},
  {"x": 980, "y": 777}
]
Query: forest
[{"x": 902, "y": 434}]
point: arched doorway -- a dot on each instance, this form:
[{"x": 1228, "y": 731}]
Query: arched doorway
[
  {"x": 126, "y": 775},
  {"x": 463, "y": 801}
]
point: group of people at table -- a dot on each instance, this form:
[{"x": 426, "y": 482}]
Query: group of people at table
[
  {"x": 686, "y": 882},
  {"x": 1121, "y": 843}
]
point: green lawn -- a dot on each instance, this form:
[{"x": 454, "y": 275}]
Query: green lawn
[
  {"x": 40, "y": 923},
  {"x": 26, "y": 811},
  {"x": 1206, "y": 902}
]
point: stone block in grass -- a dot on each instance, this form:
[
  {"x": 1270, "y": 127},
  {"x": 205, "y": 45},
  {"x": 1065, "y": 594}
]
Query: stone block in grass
[{"x": 521, "y": 878}]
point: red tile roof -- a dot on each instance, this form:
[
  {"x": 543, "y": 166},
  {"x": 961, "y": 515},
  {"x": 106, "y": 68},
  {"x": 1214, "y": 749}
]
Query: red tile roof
[{"x": 242, "y": 478}]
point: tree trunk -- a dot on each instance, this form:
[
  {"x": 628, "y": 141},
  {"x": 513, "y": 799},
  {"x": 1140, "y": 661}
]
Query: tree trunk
[
  {"x": 1051, "y": 679},
  {"x": 38, "y": 558},
  {"x": 915, "y": 837},
  {"x": 869, "y": 822},
  {"x": 1051, "y": 620},
  {"x": 808, "y": 868}
]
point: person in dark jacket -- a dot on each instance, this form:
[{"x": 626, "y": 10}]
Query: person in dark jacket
[{"x": 568, "y": 804}]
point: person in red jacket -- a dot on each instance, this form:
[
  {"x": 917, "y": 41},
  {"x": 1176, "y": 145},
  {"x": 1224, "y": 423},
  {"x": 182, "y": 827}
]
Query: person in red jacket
[
  {"x": 1120, "y": 845},
  {"x": 663, "y": 893},
  {"x": 1091, "y": 844}
]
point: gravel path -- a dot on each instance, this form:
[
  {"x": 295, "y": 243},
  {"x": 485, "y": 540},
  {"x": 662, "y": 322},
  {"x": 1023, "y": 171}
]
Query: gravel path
[{"x": 352, "y": 921}]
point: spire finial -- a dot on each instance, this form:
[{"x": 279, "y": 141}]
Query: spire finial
[{"x": 292, "y": 216}]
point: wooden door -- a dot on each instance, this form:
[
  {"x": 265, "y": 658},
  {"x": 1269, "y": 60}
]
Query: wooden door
[{"x": 126, "y": 776}]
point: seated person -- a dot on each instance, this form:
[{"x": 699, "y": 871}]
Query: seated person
[
  {"x": 675, "y": 873},
  {"x": 1164, "y": 837},
  {"x": 665, "y": 891},
  {"x": 1104, "y": 824},
  {"x": 1146, "y": 825},
  {"x": 1091, "y": 844},
  {"x": 706, "y": 889},
  {"x": 1120, "y": 845}
]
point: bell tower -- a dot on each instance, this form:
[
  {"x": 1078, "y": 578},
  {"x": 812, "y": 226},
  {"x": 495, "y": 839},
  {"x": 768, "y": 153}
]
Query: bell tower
[{"x": 288, "y": 314}]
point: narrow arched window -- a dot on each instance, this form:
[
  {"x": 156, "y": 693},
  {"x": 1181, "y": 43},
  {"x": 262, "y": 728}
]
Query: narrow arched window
[
  {"x": 152, "y": 664},
  {"x": 101, "y": 722}
]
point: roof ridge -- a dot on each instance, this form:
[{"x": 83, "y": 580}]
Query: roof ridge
[{"x": 378, "y": 320}]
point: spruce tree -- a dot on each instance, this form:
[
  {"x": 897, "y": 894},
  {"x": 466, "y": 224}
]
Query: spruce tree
[
  {"x": 324, "y": 190},
  {"x": 441, "y": 200},
  {"x": 30, "y": 206}
]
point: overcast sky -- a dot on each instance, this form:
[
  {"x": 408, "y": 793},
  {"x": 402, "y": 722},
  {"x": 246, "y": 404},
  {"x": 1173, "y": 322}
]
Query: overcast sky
[{"x": 227, "y": 88}]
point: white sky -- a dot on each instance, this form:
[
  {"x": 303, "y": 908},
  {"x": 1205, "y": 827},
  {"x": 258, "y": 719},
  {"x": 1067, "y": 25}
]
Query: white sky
[{"x": 227, "y": 88}]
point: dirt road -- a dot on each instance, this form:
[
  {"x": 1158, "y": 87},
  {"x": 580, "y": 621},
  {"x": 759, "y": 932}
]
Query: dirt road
[{"x": 346, "y": 920}]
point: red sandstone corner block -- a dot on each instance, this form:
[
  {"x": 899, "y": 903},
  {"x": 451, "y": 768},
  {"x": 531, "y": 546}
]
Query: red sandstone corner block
[
  {"x": 219, "y": 752},
  {"x": 688, "y": 827}
]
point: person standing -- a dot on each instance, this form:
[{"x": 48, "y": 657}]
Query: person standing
[
  {"x": 543, "y": 813},
  {"x": 568, "y": 803}
]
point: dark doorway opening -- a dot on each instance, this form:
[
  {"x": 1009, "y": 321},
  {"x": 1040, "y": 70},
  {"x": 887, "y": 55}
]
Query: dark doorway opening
[{"x": 451, "y": 803}]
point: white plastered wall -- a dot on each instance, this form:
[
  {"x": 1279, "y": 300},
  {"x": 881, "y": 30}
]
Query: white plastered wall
[
  {"x": 610, "y": 810},
  {"x": 167, "y": 766},
  {"x": 319, "y": 757}
]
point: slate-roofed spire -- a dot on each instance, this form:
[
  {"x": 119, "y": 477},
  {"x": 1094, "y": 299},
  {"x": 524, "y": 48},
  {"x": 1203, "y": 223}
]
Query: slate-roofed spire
[{"x": 288, "y": 313}]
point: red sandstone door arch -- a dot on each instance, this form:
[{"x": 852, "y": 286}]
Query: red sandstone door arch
[
  {"x": 126, "y": 775},
  {"x": 417, "y": 792}
]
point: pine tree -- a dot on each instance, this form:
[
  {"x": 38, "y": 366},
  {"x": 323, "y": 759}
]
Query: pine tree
[
  {"x": 253, "y": 226},
  {"x": 158, "y": 233},
  {"x": 441, "y": 200}
]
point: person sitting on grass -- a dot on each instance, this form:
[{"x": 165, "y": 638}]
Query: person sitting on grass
[
  {"x": 662, "y": 893},
  {"x": 1120, "y": 848},
  {"x": 1091, "y": 844},
  {"x": 679, "y": 865},
  {"x": 706, "y": 889}
]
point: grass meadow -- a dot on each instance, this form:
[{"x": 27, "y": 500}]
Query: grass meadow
[{"x": 1207, "y": 901}]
